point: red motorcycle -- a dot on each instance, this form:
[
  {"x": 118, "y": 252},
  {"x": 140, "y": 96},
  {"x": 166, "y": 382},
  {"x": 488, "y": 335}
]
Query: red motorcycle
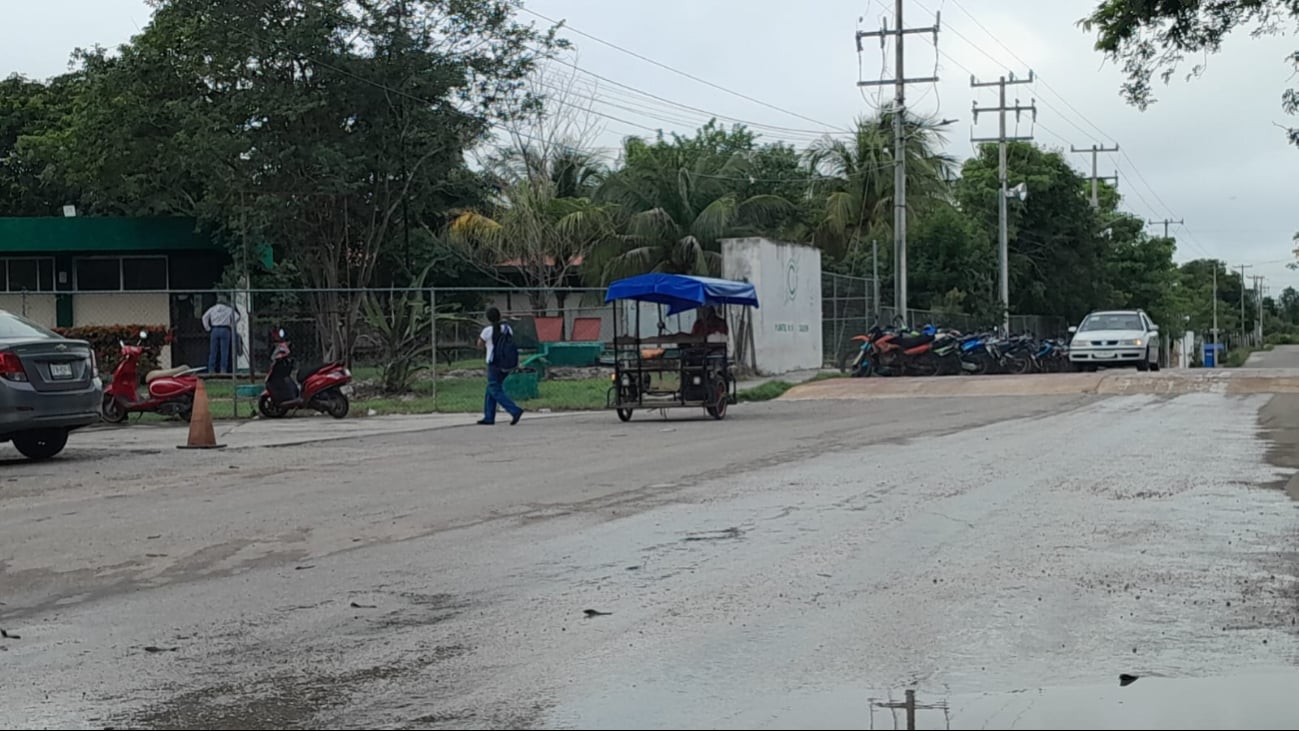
[
  {"x": 323, "y": 387},
  {"x": 169, "y": 391}
]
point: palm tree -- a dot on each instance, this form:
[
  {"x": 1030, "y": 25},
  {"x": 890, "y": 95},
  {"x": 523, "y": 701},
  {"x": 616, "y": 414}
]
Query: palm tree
[
  {"x": 856, "y": 185},
  {"x": 574, "y": 171},
  {"x": 534, "y": 235},
  {"x": 675, "y": 208}
]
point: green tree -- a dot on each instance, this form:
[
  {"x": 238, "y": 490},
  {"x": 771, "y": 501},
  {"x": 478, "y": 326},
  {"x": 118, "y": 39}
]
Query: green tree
[
  {"x": 28, "y": 108},
  {"x": 1140, "y": 271},
  {"x": 1289, "y": 305},
  {"x": 534, "y": 237},
  {"x": 678, "y": 198},
  {"x": 313, "y": 126},
  {"x": 1057, "y": 253},
  {"x": 855, "y": 185},
  {"x": 953, "y": 265},
  {"x": 1153, "y": 37}
]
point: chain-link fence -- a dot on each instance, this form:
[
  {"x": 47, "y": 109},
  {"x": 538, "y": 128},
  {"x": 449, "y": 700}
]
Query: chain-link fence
[
  {"x": 849, "y": 307},
  {"x": 399, "y": 343},
  {"x": 407, "y": 340}
]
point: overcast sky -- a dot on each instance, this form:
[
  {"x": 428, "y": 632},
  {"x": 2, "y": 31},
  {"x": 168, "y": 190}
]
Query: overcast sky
[{"x": 1208, "y": 152}]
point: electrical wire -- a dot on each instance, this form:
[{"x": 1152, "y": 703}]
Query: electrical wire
[{"x": 679, "y": 72}]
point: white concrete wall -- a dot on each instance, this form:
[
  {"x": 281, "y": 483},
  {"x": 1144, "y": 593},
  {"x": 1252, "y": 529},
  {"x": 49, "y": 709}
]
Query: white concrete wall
[
  {"x": 121, "y": 308},
  {"x": 41, "y": 309},
  {"x": 787, "y": 323},
  {"x": 124, "y": 308}
]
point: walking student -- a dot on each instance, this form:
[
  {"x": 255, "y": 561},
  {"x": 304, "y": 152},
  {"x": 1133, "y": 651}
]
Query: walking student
[
  {"x": 502, "y": 357},
  {"x": 219, "y": 321}
]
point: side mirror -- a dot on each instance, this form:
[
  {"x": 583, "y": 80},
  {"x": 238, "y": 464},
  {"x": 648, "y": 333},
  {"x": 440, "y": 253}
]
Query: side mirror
[
  {"x": 1154, "y": 328},
  {"x": 281, "y": 333},
  {"x": 1073, "y": 329},
  {"x": 144, "y": 334}
]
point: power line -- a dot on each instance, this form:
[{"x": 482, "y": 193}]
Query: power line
[
  {"x": 748, "y": 123},
  {"x": 677, "y": 71},
  {"x": 1046, "y": 84}
]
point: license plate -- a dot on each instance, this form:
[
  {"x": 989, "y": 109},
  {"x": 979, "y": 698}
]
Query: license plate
[
  {"x": 60, "y": 370},
  {"x": 346, "y": 390},
  {"x": 1104, "y": 355}
]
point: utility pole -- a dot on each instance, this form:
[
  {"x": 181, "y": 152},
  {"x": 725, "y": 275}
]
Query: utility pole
[
  {"x": 1242, "y": 268},
  {"x": 1111, "y": 179},
  {"x": 1003, "y": 246},
  {"x": 1096, "y": 150},
  {"x": 1166, "y": 222},
  {"x": 1215, "y": 312},
  {"x": 875, "y": 275},
  {"x": 1258, "y": 299},
  {"x": 899, "y": 82}
]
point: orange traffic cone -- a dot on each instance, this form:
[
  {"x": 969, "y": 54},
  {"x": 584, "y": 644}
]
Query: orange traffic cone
[{"x": 201, "y": 433}]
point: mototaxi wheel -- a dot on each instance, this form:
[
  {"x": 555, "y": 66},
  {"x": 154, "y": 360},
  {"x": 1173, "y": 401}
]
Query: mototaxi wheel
[
  {"x": 722, "y": 399},
  {"x": 625, "y": 415}
]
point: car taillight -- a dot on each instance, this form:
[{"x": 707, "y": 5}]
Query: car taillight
[
  {"x": 94, "y": 364},
  {"x": 11, "y": 367}
]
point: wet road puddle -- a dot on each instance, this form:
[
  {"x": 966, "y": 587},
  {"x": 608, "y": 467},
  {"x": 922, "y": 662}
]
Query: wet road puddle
[{"x": 1265, "y": 700}]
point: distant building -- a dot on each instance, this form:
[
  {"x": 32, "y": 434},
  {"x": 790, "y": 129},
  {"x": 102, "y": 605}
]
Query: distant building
[{"x": 83, "y": 270}]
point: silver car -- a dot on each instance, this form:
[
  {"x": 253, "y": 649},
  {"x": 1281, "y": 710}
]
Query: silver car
[
  {"x": 48, "y": 387},
  {"x": 1115, "y": 338}
]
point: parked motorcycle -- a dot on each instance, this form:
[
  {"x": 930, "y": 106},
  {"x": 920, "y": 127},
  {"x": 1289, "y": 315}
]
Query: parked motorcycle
[
  {"x": 324, "y": 387},
  {"x": 901, "y": 351},
  {"x": 168, "y": 391}
]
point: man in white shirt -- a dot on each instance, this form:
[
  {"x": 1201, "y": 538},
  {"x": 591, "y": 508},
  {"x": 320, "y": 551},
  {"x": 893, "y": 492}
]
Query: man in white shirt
[
  {"x": 496, "y": 395},
  {"x": 219, "y": 321}
]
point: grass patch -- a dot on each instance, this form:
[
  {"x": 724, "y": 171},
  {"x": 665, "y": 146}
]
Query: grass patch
[
  {"x": 1236, "y": 358},
  {"x": 464, "y": 395},
  {"x": 775, "y": 389},
  {"x": 765, "y": 392}
]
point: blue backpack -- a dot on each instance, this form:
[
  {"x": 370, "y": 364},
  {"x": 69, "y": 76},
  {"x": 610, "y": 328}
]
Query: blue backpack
[{"x": 505, "y": 354}]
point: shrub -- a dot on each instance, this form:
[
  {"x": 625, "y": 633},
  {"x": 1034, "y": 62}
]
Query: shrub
[{"x": 106, "y": 341}]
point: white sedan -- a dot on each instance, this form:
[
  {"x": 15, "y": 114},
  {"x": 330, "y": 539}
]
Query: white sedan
[{"x": 1113, "y": 339}]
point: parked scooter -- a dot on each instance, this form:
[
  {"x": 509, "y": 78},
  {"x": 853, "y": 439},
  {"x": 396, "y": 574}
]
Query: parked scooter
[
  {"x": 169, "y": 391},
  {"x": 323, "y": 388}
]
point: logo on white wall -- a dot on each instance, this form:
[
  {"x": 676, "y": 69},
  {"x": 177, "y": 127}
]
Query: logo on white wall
[{"x": 791, "y": 278}]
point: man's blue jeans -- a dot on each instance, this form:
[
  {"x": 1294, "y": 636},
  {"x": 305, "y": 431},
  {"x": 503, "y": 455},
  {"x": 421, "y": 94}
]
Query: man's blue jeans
[
  {"x": 219, "y": 350},
  {"x": 496, "y": 396}
]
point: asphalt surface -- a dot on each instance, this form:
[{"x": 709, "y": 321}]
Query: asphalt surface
[
  {"x": 1281, "y": 356},
  {"x": 774, "y": 570}
]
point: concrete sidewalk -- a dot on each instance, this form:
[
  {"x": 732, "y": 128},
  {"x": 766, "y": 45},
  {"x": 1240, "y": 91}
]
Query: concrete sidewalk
[{"x": 303, "y": 429}]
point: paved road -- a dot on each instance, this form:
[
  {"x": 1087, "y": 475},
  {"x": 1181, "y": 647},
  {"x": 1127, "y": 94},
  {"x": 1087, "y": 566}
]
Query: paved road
[
  {"x": 1282, "y": 356},
  {"x": 757, "y": 572}
]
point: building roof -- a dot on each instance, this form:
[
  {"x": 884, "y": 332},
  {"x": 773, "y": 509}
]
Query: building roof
[{"x": 51, "y": 235}]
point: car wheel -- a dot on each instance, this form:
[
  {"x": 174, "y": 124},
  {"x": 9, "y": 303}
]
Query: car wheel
[
  {"x": 41, "y": 444},
  {"x": 1143, "y": 365}
]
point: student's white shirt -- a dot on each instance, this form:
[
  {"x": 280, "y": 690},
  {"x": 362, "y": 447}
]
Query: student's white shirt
[{"x": 486, "y": 337}]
